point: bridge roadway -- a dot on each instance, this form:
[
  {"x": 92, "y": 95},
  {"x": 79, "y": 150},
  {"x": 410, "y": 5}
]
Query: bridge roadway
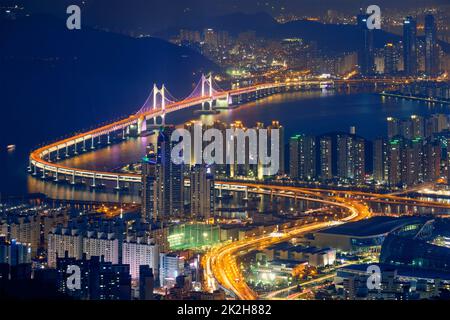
[
  {"x": 37, "y": 159},
  {"x": 40, "y": 159}
]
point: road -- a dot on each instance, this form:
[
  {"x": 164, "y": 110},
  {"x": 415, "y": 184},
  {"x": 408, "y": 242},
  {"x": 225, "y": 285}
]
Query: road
[{"x": 221, "y": 263}]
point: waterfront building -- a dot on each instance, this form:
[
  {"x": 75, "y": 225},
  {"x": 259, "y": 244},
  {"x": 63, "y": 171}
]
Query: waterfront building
[
  {"x": 380, "y": 157},
  {"x": 410, "y": 46},
  {"x": 326, "y": 158},
  {"x": 202, "y": 190},
  {"x": 366, "y": 51},
  {"x": 431, "y": 47},
  {"x": 302, "y": 161}
]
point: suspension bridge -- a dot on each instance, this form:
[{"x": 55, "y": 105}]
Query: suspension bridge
[{"x": 43, "y": 162}]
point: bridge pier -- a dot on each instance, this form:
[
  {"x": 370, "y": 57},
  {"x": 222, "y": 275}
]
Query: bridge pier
[
  {"x": 57, "y": 153},
  {"x": 93, "y": 181},
  {"x": 73, "y": 178},
  {"x": 109, "y": 138},
  {"x": 84, "y": 144},
  {"x": 43, "y": 173},
  {"x": 117, "y": 188},
  {"x": 56, "y": 175},
  {"x": 92, "y": 143}
]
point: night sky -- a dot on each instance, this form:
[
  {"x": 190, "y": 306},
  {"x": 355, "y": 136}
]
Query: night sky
[{"x": 152, "y": 16}]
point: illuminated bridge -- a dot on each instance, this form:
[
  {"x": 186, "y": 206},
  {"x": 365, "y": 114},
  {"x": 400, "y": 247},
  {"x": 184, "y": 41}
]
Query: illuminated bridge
[
  {"x": 159, "y": 103},
  {"x": 43, "y": 162}
]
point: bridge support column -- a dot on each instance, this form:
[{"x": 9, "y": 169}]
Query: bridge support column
[
  {"x": 57, "y": 154},
  {"x": 123, "y": 134},
  {"x": 67, "y": 150},
  {"x": 246, "y": 193},
  {"x": 142, "y": 125},
  {"x": 93, "y": 181},
  {"x": 117, "y": 183},
  {"x": 84, "y": 144},
  {"x": 109, "y": 138},
  {"x": 73, "y": 178},
  {"x": 92, "y": 143},
  {"x": 35, "y": 171},
  {"x": 56, "y": 175},
  {"x": 75, "y": 147},
  {"x": 43, "y": 173}
]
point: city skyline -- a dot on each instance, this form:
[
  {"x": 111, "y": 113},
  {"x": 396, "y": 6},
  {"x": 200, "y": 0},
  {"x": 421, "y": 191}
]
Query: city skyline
[{"x": 275, "y": 151}]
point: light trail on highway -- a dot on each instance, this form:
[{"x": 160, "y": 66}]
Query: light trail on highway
[{"x": 221, "y": 262}]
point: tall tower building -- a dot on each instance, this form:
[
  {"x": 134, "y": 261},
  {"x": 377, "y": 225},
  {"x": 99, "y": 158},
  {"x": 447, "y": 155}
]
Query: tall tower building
[
  {"x": 432, "y": 161},
  {"x": 418, "y": 126},
  {"x": 202, "y": 192},
  {"x": 431, "y": 47},
  {"x": 410, "y": 46},
  {"x": 393, "y": 127},
  {"x": 302, "y": 161},
  {"x": 276, "y": 125},
  {"x": 172, "y": 175},
  {"x": 412, "y": 163},
  {"x": 366, "y": 52},
  {"x": 390, "y": 59},
  {"x": 326, "y": 158},
  {"x": 395, "y": 151},
  {"x": 162, "y": 193},
  {"x": 151, "y": 188},
  {"x": 380, "y": 172},
  {"x": 350, "y": 157}
]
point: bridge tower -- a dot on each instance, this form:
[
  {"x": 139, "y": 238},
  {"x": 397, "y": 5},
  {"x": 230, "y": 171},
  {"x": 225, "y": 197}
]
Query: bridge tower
[{"x": 207, "y": 83}]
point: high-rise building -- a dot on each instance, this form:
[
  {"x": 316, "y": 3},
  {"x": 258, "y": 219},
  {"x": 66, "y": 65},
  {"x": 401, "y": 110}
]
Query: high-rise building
[
  {"x": 302, "y": 161},
  {"x": 100, "y": 280},
  {"x": 139, "y": 252},
  {"x": 412, "y": 162},
  {"x": 394, "y": 153},
  {"x": 170, "y": 267},
  {"x": 350, "y": 157},
  {"x": 277, "y": 126},
  {"x": 366, "y": 52},
  {"x": 380, "y": 166},
  {"x": 14, "y": 253},
  {"x": 418, "y": 126},
  {"x": 431, "y": 47},
  {"x": 390, "y": 59},
  {"x": 172, "y": 176},
  {"x": 62, "y": 240},
  {"x": 410, "y": 46},
  {"x": 202, "y": 192},
  {"x": 101, "y": 244},
  {"x": 326, "y": 158},
  {"x": 163, "y": 185},
  {"x": 393, "y": 127},
  {"x": 146, "y": 283},
  {"x": 211, "y": 38},
  {"x": 432, "y": 161},
  {"x": 151, "y": 188}
]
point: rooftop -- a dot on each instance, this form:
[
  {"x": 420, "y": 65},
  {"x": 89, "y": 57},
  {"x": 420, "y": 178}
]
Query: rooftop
[{"x": 374, "y": 226}]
